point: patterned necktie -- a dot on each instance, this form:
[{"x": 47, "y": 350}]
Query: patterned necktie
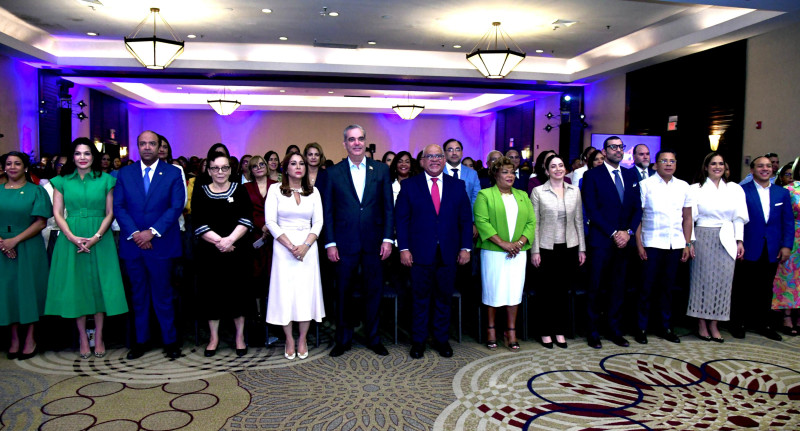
[
  {"x": 435, "y": 195},
  {"x": 146, "y": 179},
  {"x": 618, "y": 184},
  {"x": 644, "y": 174},
  {"x": 455, "y": 173}
]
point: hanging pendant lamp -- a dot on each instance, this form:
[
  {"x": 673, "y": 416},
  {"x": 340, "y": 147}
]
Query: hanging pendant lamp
[
  {"x": 495, "y": 61},
  {"x": 152, "y": 51},
  {"x": 223, "y": 105}
]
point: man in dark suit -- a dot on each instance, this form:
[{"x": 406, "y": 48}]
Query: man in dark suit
[
  {"x": 613, "y": 207},
  {"x": 358, "y": 210},
  {"x": 434, "y": 233},
  {"x": 768, "y": 239},
  {"x": 148, "y": 199},
  {"x": 641, "y": 161},
  {"x": 483, "y": 175},
  {"x": 521, "y": 181}
]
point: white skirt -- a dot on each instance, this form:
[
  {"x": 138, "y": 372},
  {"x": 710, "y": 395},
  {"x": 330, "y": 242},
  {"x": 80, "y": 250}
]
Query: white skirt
[{"x": 503, "y": 278}]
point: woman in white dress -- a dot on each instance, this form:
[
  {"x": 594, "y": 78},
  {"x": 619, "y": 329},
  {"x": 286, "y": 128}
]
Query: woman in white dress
[
  {"x": 719, "y": 214},
  {"x": 506, "y": 224},
  {"x": 293, "y": 211}
]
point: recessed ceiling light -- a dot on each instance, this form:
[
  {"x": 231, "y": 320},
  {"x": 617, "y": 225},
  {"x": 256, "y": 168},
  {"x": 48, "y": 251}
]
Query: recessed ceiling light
[
  {"x": 385, "y": 94},
  {"x": 283, "y": 38},
  {"x": 539, "y": 51},
  {"x": 372, "y": 42},
  {"x": 330, "y": 92},
  {"x": 451, "y": 97},
  {"x": 179, "y": 88},
  {"x": 282, "y": 91},
  {"x": 191, "y": 36},
  {"x": 333, "y": 14},
  {"x": 456, "y": 46},
  {"x": 266, "y": 10},
  {"x": 91, "y": 33}
]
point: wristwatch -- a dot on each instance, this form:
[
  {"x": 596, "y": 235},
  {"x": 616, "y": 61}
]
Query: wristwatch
[{"x": 630, "y": 232}]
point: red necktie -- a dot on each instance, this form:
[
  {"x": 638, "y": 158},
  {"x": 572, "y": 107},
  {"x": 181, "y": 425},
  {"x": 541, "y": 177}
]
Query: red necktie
[{"x": 435, "y": 195}]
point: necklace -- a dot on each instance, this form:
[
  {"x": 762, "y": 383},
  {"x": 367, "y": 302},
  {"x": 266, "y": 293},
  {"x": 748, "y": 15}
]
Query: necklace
[
  {"x": 15, "y": 186},
  {"x": 299, "y": 191}
]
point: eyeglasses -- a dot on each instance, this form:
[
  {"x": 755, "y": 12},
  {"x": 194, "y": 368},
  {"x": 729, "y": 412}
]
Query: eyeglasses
[
  {"x": 616, "y": 147},
  {"x": 666, "y": 162},
  {"x": 453, "y": 150},
  {"x": 433, "y": 156},
  {"x": 787, "y": 174},
  {"x": 514, "y": 157},
  {"x": 259, "y": 165},
  {"x": 359, "y": 139},
  {"x": 216, "y": 169}
]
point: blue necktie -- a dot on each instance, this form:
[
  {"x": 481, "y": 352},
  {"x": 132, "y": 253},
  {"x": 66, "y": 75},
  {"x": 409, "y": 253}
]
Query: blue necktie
[
  {"x": 455, "y": 173},
  {"x": 618, "y": 184},
  {"x": 146, "y": 179}
]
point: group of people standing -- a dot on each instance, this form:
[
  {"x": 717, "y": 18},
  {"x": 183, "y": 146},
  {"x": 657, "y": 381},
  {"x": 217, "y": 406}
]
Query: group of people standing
[{"x": 268, "y": 224}]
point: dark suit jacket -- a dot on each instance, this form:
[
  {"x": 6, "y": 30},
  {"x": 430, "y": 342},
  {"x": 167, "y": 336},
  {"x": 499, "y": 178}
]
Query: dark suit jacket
[
  {"x": 650, "y": 172},
  {"x": 604, "y": 211},
  {"x": 521, "y": 183},
  {"x": 357, "y": 226},
  {"x": 420, "y": 229},
  {"x": 778, "y": 231},
  {"x": 159, "y": 209}
]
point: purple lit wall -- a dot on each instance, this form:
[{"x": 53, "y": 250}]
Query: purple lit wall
[
  {"x": 192, "y": 132},
  {"x": 19, "y": 112}
]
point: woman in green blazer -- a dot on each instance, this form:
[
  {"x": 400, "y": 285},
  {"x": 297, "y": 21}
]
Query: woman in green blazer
[{"x": 506, "y": 223}]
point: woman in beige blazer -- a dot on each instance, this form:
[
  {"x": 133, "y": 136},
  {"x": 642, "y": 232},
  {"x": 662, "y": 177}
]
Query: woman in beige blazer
[{"x": 558, "y": 248}]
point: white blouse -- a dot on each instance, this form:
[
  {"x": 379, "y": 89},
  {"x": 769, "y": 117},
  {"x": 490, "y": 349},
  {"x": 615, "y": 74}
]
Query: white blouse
[{"x": 723, "y": 207}]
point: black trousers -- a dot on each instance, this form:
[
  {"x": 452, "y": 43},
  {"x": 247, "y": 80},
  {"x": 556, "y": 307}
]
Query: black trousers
[
  {"x": 751, "y": 297},
  {"x": 659, "y": 271},
  {"x": 559, "y": 266},
  {"x": 432, "y": 288},
  {"x": 346, "y": 277},
  {"x": 606, "y": 289}
]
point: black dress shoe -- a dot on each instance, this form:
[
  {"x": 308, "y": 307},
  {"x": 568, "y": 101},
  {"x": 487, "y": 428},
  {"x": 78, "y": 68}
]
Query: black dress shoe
[
  {"x": 241, "y": 352},
  {"x": 594, "y": 342},
  {"x": 641, "y": 337},
  {"x": 444, "y": 349},
  {"x": 137, "y": 351},
  {"x": 619, "y": 340},
  {"x": 561, "y": 345},
  {"x": 173, "y": 350},
  {"x": 670, "y": 336},
  {"x": 417, "y": 350},
  {"x": 339, "y": 349},
  {"x": 26, "y": 356},
  {"x": 717, "y": 340},
  {"x": 548, "y": 345},
  {"x": 209, "y": 353},
  {"x": 379, "y": 349},
  {"x": 12, "y": 355},
  {"x": 704, "y": 338},
  {"x": 770, "y": 333},
  {"x": 737, "y": 331}
]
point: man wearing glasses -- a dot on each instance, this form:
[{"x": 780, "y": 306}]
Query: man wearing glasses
[
  {"x": 521, "y": 180},
  {"x": 358, "y": 211},
  {"x": 453, "y": 152},
  {"x": 663, "y": 239},
  {"x": 613, "y": 207},
  {"x": 148, "y": 199}
]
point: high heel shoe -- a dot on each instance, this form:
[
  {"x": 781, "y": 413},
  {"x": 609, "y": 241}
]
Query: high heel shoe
[
  {"x": 303, "y": 355},
  {"x": 26, "y": 356},
  {"x": 514, "y": 346},
  {"x": 491, "y": 344},
  {"x": 288, "y": 356},
  {"x": 547, "y": 345},
  {"x": 561, "y": 344}
]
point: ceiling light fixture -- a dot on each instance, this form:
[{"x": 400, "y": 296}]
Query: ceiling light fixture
[
  {"x": 223, "y": 105},
  {"x": 154, "y": 52},
  {"x": 330, "y": 92},
  {"x": 333, "y": 14},
  {"x": 539, "y": 51},
  {"x": 283, "y": 38},
  {"x": 191, "y": 36},
  {"x": 91, "y": 33},
  {"x": 282, "y": 91},
  {"x": 493, "y": 61},
  {"x": 408, "y": 111},
  {"x": 179, "y": 88},
  {"x": 456, "y": 46},
  {"x": 266, "y": 10},
  {"x": 372, "y": 42}
]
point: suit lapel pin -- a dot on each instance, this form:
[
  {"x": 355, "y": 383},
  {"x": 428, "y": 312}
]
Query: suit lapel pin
[
  {"x": 160, "y": 173},
  {"x": 370, "y": 168},
  {"x": 230, "y": 199}
]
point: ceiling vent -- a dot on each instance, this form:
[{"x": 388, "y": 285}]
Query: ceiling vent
[{"x": 334, "y": 45}]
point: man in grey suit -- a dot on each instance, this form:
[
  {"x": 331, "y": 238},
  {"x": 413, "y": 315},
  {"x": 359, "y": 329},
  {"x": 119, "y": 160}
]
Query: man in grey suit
[{"x": 358, "y": 211}]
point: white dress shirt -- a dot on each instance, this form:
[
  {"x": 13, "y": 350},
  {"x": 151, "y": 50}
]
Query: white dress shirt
[
  {"x": 763, "y": 195},
  {"x": 438, "y": 183},
  {"x": 724, "y": 207},
  {"x": 359, "y": 174},
  {"x": 577, "y": 174},
  {"x": 152, "y": 170},
  {"x": 662, "y": 212},
  {"x": 643, "y": 172},
  {"x": 611, "y": 170},
  {"x": 460, "y": 170}
]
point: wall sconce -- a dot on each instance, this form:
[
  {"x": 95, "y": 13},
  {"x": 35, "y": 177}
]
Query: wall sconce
[
  {"x": 548, "y": 128},
  {"x": 549, "y": 115},
  {"x": 81, "y": 116},
  {"x": 123, "y": 152},
  {"x": 714, "y": 141},
  {"x": 82, "y": 104}
]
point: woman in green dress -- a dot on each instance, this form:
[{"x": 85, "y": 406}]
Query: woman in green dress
[
  {"x": 23, "y": 264},
  {"x": 85, "y": 277}
]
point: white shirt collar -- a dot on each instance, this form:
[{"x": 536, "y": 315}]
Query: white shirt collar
[
  {"x": 352, "y": 164},
  {"x": 152, "y": 167},
  {"x": 439, "y": 177},
  {"x": 458, "y": 166},
  {"x": 758, "y": 186},
  {"x": 611, "y": 169}
]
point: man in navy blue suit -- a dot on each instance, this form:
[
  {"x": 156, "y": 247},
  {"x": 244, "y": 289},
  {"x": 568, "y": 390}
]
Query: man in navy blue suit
[
  {"x": 358, "y": 211},
  {"x": 434, "y": 233},
  {"x": 148, "y": 199},
  {"x": 613, "y": 207},
  {"x": 522, "y": 177},
  {"x": 641, "y": 161},
  {"x": 768, "y": 239}
]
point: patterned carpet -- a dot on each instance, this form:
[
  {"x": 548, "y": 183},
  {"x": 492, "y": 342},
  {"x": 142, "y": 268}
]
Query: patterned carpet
[{"x": 661, "y": 386}]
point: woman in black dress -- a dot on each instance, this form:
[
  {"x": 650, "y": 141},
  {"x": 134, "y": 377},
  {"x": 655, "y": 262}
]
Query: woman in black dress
[{"x": 222, "y": 214}]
